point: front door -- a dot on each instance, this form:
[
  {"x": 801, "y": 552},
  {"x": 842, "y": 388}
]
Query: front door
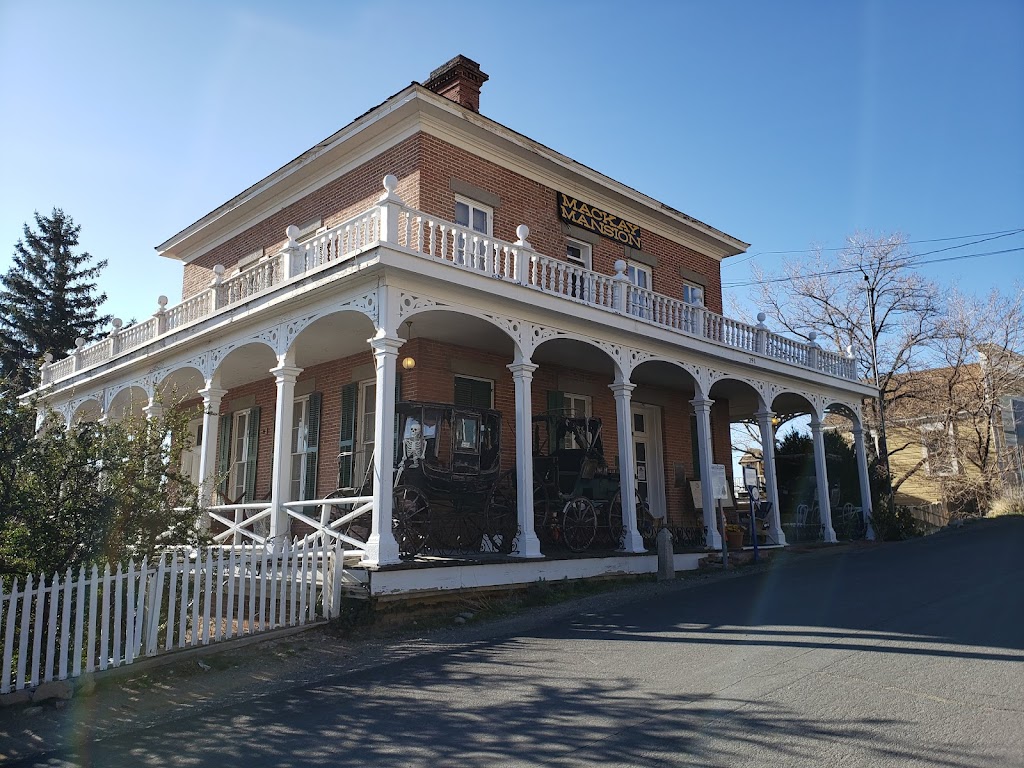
[{"x": 648, "y": 467}]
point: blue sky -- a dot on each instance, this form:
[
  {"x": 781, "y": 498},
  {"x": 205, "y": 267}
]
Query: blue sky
[{"x": 785, "y": 124}]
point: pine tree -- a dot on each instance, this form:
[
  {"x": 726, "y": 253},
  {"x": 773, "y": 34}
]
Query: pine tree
[{"x": 48, "y": 299}]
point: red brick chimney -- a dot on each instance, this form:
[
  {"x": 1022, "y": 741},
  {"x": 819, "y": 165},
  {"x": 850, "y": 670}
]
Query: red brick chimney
[{"x": 459, "y": 80}]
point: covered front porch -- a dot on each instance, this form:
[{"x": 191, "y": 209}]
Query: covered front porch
[{"x": 295, "y": 369}]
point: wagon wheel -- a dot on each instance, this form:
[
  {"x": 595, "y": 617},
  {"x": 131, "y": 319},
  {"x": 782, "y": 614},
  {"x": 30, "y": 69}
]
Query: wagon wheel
[
  {"x": 357, "y": 528},
  {"x": 579, "y": 523},
  {"x": 410, "y": 520},
  {"x": 544, "y": 514},
  {"x": 617, "y": 527},
  {"x": 501, "y": 518},
  {"x": 445, "y": 527}
]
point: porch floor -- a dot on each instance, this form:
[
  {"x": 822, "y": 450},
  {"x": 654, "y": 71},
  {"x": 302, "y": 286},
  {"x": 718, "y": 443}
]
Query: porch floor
[{"x": 428, "y": 575}]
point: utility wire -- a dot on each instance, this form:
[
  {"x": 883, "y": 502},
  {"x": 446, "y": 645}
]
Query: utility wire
[
  {"x": 909, "y": 262},
  {"x": 1001, "y": 232}
]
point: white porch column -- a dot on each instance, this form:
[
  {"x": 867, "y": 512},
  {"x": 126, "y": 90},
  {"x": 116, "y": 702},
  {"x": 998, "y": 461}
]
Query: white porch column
[
  {"x": 208, "y": 456},
  {"x": 764, "y": 421},
  {"x": 623, "y": 391},
  {"x": 865, "y": 481},
  {"x": 154, "y": 410},
  {"x": 821, "y": 475},
  {"x": 702, "y": 407},
  {"x": 527, "y": 545},
  {"x": 381, "y": 546},
  {"x": 284, "y": 376}
]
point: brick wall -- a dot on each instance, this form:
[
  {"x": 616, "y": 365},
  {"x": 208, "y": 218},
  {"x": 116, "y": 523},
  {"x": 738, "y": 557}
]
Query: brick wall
[
  {"x": 524, "y": 201},
  {"x": 425, "y": 166},
  {"x": 343, "y": 198},
  {"x": 433, "y": 380}
]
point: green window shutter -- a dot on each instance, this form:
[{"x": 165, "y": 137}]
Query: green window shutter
[
  {"x": 473, "y": 393},
  {"x": 224, "y": 454},
  {"x": 556, "y": 404},
  {"x": 312, "y": 445},
  {"x": 252, "y": 442},
  {"x": 347, "y": 433}
]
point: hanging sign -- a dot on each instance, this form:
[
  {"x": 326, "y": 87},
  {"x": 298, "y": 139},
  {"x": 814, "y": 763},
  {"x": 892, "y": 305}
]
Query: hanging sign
[{"x": 591, "y": 218}]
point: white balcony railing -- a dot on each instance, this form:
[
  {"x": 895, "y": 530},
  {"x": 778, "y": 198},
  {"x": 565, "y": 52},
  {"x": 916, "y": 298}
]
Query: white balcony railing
[{"x": 404, "y": 228}]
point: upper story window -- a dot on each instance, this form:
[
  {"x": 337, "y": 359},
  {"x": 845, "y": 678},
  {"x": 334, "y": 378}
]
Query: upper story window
[
  {"x": 579, "y": 253},
  {"x": 639, "y": 302},
  {"x": 693, "y": 293},
  {"x": 477, "y": 217}
]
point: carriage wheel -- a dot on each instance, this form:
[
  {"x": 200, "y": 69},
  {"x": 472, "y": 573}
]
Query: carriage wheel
[
  {"x": 544, "y": 514},
  {"x": 579, "y": 523},
  {"x": 617, "y": 526},
  {"x": 501, "y": 516},
  {"x": 410, "y": 520}
]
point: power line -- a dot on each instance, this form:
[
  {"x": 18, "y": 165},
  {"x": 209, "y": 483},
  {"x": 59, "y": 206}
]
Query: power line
[
  {"x": 857, "y": 269},
  {"x": 997, "y": 233}
]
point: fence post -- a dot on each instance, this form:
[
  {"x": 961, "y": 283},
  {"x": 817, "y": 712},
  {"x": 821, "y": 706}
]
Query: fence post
[
  {"x": 290, "y": 253},
  {"x": 620, "y": 287},
  {"x": 161, "y": 315},
  {"x": 77, "y": 354},
  {"x": 218, "y": 278},
  {"x": 812, "y": 351},
  {"x": 115, "y": 329},
  {"x": 389, "y": 209},
  {"x": 522, "y": 275},
  {"x": 762, "y": 334}
]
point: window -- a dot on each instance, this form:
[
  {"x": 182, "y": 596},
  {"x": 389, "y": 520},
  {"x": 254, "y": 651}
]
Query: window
[
  {"x": 240, "y": 448},
  {"x": 575, "y": 405},
  {"x": 693, "y": 293},
  {"x": 365, "y": 427},
  {"x": 639, "y": 302},
  {"x": 476, "y": 217},
  {"x": 579, "y": 254},
  {"x": 937, "y": 446},
  {"x": 305, "y": 443},
  {"x": 473, "y": 392}
]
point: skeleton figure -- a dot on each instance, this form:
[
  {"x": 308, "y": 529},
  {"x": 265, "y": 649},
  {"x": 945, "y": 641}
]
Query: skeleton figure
[{"x": 414, "y": 447}]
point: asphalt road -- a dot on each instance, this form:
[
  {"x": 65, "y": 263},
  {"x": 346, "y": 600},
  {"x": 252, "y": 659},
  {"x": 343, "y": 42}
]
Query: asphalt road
[{"x": 908, "y": 654}]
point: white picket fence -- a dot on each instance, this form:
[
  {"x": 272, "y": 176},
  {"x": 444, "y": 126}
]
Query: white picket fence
[{"x": 96, "y": 620}]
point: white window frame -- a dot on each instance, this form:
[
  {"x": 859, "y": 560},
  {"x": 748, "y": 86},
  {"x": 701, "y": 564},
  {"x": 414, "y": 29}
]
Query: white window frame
[
  {"x": 299, "y": 448},
  {"x": 570, "y": 408},
  {"x": 239, "y": 464},
  {"x": 693, "y": 293},
  {"x": 926, "y": 454},
  {"x": 638, "y": 305},
  {"x": 363, "y": 448},
  {"x": 460, "y": 246},
  {"x": 579, "y": 287},
  {"x": 586, "y": 257}
]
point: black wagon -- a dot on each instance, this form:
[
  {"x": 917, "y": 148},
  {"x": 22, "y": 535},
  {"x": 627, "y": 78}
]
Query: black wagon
[
  {"x": 450, "y": 495},
  {"x": 577, "y": 501}
]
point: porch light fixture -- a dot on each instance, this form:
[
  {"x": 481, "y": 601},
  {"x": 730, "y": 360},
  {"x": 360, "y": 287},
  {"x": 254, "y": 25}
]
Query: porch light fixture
[{"x": 408, "y": 362}]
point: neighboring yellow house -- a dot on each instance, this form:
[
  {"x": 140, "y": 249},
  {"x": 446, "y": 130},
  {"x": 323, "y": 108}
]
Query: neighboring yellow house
[{"x": 957, "y": 441}]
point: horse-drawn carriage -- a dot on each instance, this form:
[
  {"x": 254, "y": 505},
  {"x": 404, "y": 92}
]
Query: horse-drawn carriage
[
  {"x": 577, "y": 501},
  {"x": 452, "y": 497}
]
